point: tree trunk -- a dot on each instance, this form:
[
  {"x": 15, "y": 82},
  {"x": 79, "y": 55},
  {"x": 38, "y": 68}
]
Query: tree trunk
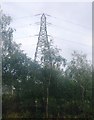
[{"x": 47, "y": 102}]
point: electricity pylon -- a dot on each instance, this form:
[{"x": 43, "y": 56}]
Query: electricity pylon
[{"x": 43, "y": 55}]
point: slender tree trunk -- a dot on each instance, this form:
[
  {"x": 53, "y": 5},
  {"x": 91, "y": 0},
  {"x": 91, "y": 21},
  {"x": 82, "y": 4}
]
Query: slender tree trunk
[
  {"x": 47, "y": 97},
  {"x": 83, "y": 91},
  {"x": 47, "y": 102}
]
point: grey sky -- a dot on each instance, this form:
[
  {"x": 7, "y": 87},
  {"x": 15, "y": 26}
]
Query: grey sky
[{"x": 71, "y": 25}]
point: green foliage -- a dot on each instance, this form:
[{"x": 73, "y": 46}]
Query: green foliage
[{"x": 25, "y": 82}]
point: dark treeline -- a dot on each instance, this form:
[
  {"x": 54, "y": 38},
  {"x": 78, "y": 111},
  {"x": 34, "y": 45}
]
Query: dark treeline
[{"x": 25, "y": 82}]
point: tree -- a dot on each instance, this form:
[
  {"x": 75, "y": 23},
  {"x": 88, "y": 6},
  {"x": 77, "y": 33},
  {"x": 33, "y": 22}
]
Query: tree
[
  {"x": 80, "y": 71},
  {"x": 54, "y": 62},
  {"x": 21, "y": 76},
  {"x": 28, "y": 86}
]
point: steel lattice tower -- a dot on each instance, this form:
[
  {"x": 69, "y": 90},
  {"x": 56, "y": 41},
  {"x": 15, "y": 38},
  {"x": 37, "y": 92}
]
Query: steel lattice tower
[{"x": 42, "y": 54}]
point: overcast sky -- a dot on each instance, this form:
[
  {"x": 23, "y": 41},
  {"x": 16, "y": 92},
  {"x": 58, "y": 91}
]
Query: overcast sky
[{"x": 71, "y": 25}]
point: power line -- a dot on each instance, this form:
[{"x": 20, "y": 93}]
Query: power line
[
  {"x": 68, "y": 30},
  {"x": 28, "y": 25},
  {"x": 71, "y": 41},
  {"x": 24, "y": 37},
  {"x": 65, "y": 20},
  {"x": 71, "y": 22},
  {"x": 24, "y": 17},
  {"x": 61, "y": 27},
  {"x": 65, "y": 40}
]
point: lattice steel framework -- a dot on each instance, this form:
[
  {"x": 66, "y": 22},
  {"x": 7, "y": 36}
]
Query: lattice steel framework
[{"x": 42, "y": 53}]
